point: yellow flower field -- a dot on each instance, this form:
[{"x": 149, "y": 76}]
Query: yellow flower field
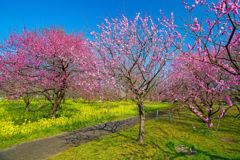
[{"x": 17, "y": 126}]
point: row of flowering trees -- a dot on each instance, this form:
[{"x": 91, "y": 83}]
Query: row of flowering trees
[{"x": 139, "y": 56}]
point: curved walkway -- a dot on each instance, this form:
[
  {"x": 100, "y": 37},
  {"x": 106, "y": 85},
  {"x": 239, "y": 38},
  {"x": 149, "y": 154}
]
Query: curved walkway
[{"x": 43, "y": 148}]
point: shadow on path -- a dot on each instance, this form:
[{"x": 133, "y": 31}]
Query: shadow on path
[{"x": 46, "y": 147}]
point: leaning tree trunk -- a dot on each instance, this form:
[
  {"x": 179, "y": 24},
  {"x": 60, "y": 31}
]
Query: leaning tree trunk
[
  {"x": 60, "y": 95},
  {"x": 57, "y": 103},
  {"x": 141, "y": 122},
  {"x": 27, "y": 103}
]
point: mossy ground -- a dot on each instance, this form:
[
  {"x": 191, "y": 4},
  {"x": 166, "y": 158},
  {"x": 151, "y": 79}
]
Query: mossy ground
[{"x": 162, "y": 138}]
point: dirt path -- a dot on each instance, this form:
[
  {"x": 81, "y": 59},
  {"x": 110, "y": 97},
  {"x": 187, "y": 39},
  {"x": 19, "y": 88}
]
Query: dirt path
[{"x": 43, "y": 148}]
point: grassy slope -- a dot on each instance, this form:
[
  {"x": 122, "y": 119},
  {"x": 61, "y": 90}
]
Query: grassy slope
[
  {"x": 17, "y": 126},
  {"x": 162, "y": 138}
]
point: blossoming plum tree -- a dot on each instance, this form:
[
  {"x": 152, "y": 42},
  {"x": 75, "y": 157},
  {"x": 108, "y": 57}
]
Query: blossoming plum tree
[
  {"x": 218, "y": 36},
  {"x": 200, "y": 85},
  {"x": 135, "y": 52},
  {"x": 48, "y": 62}
]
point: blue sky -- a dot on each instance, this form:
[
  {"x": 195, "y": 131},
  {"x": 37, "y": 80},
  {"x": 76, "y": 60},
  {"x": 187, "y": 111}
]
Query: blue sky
[{"x": 77, "y": 15}]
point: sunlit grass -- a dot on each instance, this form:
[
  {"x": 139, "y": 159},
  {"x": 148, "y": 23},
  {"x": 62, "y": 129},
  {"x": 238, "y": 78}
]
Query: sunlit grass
[
  {"x": 17, "y": 126},
  {"x": 162, "y": 139}
]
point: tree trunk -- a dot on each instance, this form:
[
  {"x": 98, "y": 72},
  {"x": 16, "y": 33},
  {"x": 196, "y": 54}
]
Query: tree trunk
[
  {"x": 126, "y": 95},
  {"x": 64, "y": 99},
  {"x": 141, "y": 122},
  {"x": 57, "y": 104},
  {"x": 27, "y": 103}
]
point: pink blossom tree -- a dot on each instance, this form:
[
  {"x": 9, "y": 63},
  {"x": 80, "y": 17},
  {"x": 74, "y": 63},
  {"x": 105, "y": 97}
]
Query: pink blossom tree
[
  {"x": 13, "y": 85},
  {"x": 199, "y": 85},
  {"x": 217, "y": 36},
  {"x": 48, "y": 62},
  {"x": 135, "y": 53}
]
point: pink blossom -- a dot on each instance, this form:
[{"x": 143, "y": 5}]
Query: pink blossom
[{"x": 196, "y": 26}]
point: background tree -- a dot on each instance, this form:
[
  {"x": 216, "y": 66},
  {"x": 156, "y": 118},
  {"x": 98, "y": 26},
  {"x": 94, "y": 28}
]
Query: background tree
[
  {"x": 217, "y": 36},
  {"x": 49, "y": 62},
  {"x": 12, "y": 84},
  {"x": 135, "y": 53},
  {"x": 199, "y": 85}
]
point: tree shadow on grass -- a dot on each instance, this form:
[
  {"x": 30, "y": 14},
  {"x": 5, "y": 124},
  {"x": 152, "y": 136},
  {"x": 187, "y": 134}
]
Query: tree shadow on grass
[
  {"x": 132, "y": 138},
  {"x": 211, "y": 156}
]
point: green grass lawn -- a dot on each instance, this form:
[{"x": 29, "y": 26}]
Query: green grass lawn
[
  {"x": 164, "y": 138},
  {"x": 17, "y": 126}
]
